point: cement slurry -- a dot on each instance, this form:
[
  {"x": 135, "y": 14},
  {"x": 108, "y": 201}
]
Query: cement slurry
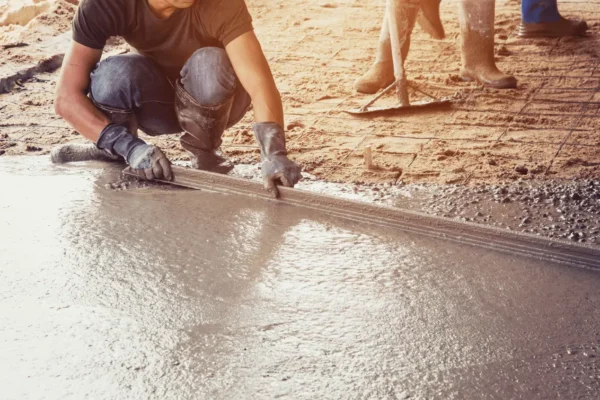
[{"x": 164, "y": 293}]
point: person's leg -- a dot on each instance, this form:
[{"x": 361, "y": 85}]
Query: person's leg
[
  {"x": 209, "y": 99},
  {"x": 537, "y": 11},
  {"x": 540, "y": 18},
  {"x": 476, "y": 19},
  {"x": 381, "y": 74},
  {"x": 133, "y": 91}
]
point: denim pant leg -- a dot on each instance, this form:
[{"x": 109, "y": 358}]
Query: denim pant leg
[
  {"x": 133, "y": 83},
  {"x": 539, "y": 11},
  {"x": 209, "y": 77}
]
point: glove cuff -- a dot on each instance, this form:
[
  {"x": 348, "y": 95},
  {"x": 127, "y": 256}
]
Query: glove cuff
[
  {"x": 117, "y": 140},
  {"x": 271, "y": 139}
]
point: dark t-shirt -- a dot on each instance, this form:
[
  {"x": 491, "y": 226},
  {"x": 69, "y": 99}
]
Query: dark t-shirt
[{"x": 168, "y": 42}]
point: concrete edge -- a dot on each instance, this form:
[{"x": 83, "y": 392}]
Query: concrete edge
[{"x": 576, "y": 255}]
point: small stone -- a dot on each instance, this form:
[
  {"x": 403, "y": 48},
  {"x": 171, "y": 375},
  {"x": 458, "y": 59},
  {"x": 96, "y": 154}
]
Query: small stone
[
  {"x": 521, "y": 169},
  {"x": 574, "y": 236},
  {"x": 526, "y": 220}
]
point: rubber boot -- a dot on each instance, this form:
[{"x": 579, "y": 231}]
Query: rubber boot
[
  {"x": 477, "y": 45},
  {"x": 381, "y": 74},
  {"x": 204, "y": 127},
  {"x": 73, "y": 152},
  {"x": 540, "y": 18}
]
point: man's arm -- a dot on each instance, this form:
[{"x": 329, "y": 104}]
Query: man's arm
[
  {"x": 252, "y": 69},
  {"x": 71, "y": 101}
]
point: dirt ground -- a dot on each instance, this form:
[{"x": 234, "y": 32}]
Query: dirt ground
[{"x": 545, "y": 129}]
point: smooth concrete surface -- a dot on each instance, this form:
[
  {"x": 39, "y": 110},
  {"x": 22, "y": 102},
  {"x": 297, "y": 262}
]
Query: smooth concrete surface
[{"x": 176, "y": 294}]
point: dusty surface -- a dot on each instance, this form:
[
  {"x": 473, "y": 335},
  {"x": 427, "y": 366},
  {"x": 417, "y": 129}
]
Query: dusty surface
[
  {"x": 161, "y": 293},
  {"x": 549, "y": 125}
]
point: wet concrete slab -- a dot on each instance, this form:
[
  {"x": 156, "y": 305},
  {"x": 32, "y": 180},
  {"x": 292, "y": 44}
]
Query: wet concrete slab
[{"x": 164, "y": 293}]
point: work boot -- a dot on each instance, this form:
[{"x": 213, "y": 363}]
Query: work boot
[
  {"x": 562, "y": 27},
  {"x": 540, "y": 18},
  {"x": 73, "y": 152},
  {"x": 477, "y": 45},
  {"x": 204, "y": 127},
  {"x": 381, "y": 74}
]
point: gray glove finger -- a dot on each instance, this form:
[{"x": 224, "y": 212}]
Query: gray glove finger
[
  {"x": 148, "y": 174},
  {"x": 157, "y": 170},
  {"x": 286, "y": 181},
  {"x": 166, "y": 168},
  {"x": 139, "y": 173},
  {"x": 271, "y": 186}
]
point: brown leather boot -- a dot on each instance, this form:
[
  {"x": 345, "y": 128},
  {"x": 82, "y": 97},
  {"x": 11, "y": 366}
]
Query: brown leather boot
[
  {"x": 204, "y": 127},
  {"x": 477, "y": 45},
  {"x": 562, "y": 27}
]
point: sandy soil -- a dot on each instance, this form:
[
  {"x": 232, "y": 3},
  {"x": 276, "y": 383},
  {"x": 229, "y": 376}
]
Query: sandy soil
[{"x": 545, "y": 129}]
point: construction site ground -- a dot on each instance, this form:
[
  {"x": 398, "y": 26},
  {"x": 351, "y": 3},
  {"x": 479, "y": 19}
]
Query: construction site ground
[{"x": 540, "y": 136}]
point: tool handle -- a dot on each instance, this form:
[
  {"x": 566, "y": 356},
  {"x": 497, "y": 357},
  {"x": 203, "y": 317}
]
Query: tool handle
[{"x": 402, "y": 15}]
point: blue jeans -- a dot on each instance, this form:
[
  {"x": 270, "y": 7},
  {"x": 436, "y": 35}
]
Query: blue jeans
[
  {"x": 539, "y": 11},
  {"x": 135, "y": 85}
]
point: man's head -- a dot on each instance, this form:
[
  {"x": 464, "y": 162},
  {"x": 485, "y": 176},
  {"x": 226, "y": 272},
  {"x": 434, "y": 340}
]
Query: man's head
[{"x": 180, "y": 3}]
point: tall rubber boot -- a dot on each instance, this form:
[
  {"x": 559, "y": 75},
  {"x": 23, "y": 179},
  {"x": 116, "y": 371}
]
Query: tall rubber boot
[
  {"x": 477, "y": 45},
  {"x": 204, "y": 127},
  {"x": 381, "y": 73},
  {"x": 540, "y": 18}
]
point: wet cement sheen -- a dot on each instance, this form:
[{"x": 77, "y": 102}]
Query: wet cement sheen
[{"x": 159, "y": 293}]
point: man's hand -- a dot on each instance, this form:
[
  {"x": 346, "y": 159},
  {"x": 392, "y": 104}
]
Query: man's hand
[
  {"x": 280, "y": 170},
  {"x": 276, "y": 167},
  {"x": 145, "y": 161},
  {"x": 149, "y": 162}
]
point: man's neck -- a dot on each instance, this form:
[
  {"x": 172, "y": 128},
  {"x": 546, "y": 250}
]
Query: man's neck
[{"x": 161, "y": 9}]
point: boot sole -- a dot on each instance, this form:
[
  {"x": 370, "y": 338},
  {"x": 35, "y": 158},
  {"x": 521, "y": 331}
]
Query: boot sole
[
  {"x": 509, "y": 84},
  {"x": 552, "y": 35}
]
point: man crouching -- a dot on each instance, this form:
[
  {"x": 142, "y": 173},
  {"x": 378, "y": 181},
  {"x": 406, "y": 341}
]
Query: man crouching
[{"x": 195, "y": 66}]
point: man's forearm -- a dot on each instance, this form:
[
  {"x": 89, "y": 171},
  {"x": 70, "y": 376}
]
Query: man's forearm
[
  {"x": 267, "y": 105},
  {"x": 79, "y": 112}
]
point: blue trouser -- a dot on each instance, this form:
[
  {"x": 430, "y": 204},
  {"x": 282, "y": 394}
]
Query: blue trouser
[
  {"x": 539, "y": 11},
  {"x": 134, "y": 84}
]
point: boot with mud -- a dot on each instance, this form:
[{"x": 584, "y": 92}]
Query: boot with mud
[
  {"x": 203, "y": 127},
  {"x": 477, "y": 45},
  {"x": 540, "y": 18},
  {"x": 381, "y": 74}
]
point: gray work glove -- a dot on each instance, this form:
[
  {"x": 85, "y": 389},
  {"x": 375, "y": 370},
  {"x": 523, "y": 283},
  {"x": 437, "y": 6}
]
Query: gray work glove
[
  {"x": 277, "y": 169},
  {"x": 145, "y": 161}
]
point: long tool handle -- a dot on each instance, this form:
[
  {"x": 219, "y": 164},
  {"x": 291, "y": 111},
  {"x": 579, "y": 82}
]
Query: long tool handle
[{"x": 402, "y": 15}]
